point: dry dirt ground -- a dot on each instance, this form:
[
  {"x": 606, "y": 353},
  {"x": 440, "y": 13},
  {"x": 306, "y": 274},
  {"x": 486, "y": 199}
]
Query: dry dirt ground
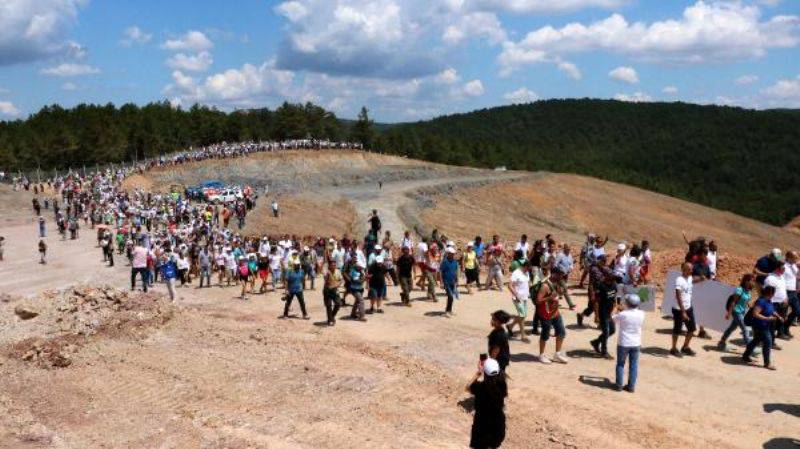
[{"x": 218, "y": 372}]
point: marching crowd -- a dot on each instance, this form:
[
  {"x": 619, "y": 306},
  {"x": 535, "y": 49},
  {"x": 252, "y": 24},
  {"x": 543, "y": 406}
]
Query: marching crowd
[{"x": 177, "y": 241}]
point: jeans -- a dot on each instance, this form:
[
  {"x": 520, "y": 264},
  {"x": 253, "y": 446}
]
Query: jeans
[
  {"x": 300, "y": 299},
  {"x": 405, "y": 289},
  {"x": 452, "y": 292},
  {"x": 562, "y": 290},
  {"x": 358, "y": 304},
  {"x": 737, "y": 321},
  {"x": 607, "y": 328},
  {"x": 794, "y": 303},
  {"x": 761, "y": 335},
  {"x": 430, "y": 278},
  {"x": 332, "y": 303},
  {"x": 143, "y": 271},
  {"x": 171, "y": 288},
  {"x": 205, "y": 273},
  {"x": 632, "y": 354},
  {"x": 276, "y": 277}
]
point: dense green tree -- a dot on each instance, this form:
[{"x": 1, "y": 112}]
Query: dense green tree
[{"x": 363, "y": 129}]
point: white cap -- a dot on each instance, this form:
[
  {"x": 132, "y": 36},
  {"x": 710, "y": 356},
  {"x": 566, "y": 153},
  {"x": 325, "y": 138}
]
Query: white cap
[
  {"x": 470, "y": 244},
  {"x": 776, "y": 253},
  {"x": 331, "y": 240},
  {"x": 633, "y": 300},
  {"x": 621, "y": 247},
  {"x": 379, "y": 259},
  {"x": 378, "y": 247},
  {"x": 305, "y": 248},
  {"x": 491, "y": 367},
  {"x": 450, "y": 243},
  {"x": 451, "y": 250}
]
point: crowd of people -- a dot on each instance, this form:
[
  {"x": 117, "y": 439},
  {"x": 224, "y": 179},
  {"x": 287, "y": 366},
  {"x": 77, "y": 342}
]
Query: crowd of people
[{"x": 179, "y": 242}]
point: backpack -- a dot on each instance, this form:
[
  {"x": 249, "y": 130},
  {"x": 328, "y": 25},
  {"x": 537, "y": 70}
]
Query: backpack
[
  {"x": 749, "y": 320},
  {"x": 244, "y": 270},
  {"x": 169, "y": 270}
]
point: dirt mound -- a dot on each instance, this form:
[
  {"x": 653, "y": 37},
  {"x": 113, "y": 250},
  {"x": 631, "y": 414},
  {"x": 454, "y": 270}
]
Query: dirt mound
[
  {"x": 302, "y": 215},
  {"x": 56, "y": 324},
  {"x": 291, "y": 171}
]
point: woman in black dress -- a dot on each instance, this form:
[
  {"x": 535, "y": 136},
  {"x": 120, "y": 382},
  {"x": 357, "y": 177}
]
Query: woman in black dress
[{"x": 489, "y": 424}]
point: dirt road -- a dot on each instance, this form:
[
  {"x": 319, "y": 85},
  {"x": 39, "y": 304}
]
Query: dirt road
[{"x": 394, "y": 197}]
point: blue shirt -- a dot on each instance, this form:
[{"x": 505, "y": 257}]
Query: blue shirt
[
  {"x": 356, "y": 280},
  {"x": 479, "y": 247},
  {"x": 449, "y": 270},
  {"x": 294, "y": 281},
  {"x": 767, "y": 310}
]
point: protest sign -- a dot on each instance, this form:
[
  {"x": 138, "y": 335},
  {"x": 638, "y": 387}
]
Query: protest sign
[{"x": 708, "y": 301}]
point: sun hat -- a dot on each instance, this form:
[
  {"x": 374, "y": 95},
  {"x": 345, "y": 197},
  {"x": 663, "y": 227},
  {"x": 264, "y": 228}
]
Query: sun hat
[
  {"x": 450, "y": 250},
  {"x": 491, "y": 367},
  {"x": 632, "y": 300},
  {"x": 621, "y": 247}
]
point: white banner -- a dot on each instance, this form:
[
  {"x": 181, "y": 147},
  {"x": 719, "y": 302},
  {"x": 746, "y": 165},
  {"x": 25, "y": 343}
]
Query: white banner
[{"x": 708, "y": 301}]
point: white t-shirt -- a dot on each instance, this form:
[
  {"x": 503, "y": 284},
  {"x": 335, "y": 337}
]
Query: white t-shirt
[
  {"x": 274, "y": 261},
  {"x": 620, "y": 265},
  {"x": 633, "y": 265},
  {"x": 629, "y": 327},
  {"x": 790, "y": 276},
  {"x": 711, "y": 260},
  {"x": 780, "y": 287},
  {"x": 684, "y": 286},
  {"x": 521, "y": 283},
  {"x": 422, "y": 251},
  {"x": 524, "y": 247}
]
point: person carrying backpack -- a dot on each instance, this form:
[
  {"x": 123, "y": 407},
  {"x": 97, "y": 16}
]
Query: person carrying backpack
[
  {"x": 169, "y": 272},
  {"x": 761, "y": 317}
]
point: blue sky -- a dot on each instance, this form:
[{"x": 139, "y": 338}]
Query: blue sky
[{"x": 403, "y": 59}]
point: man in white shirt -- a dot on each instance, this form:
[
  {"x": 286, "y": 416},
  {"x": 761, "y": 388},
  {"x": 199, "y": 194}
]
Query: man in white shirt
[
  {"x": 629, "y": 324},
  {"x": 780, "y": 299},
  {"x": 420, "y": 256},
  {"x": 519, "y": 286},
  {"x": 523, "y": 245},
  {"x": 711, "y": 258},
  {"x": 683, "y": 313},
  {"x": 790, "y": 276}
]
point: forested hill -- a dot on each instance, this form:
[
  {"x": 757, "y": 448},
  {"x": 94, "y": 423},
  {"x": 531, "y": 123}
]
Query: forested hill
[{"x": 744, "y": 161}]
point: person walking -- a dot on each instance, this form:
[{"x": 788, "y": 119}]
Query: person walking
[
  {"x": 489, "y": 422},
  {"x": 376, "y": 277},
  {"x": 629, "y": 322},
  {"x": 42, "y": 252},
  {"x": 498, "y": 339},
  {"x": 764, "y": 316},
  {"x": 204, "y": 261},
  {"x": 519, "y": 286},
  {"x": 355, "y": 281},
  {"x": 606, "y": 303},
  {"x": 330, "y": 292},
  {"x": 448, "y": 271},
  {"x": 405, "y": 271},
  {"x": 169, "y": 271},
  {"x": 683, "y": 314},
  {"x": 736, "y": 310},
  {"x": 547, "y": 308},
  {"x": 294, "y": 287},
  {"x": 139, "y": 265}
]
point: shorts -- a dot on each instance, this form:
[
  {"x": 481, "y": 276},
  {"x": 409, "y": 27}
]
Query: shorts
[
  {"x": 678, "y": 321},
  {"x": 522, "y": 308},
  {"x": 243, "y": 277},
  {"x": 471, "y": 274},
  {"x": 556, "y": 323},
  {"x": 377, "y": 292},
  {"x": 262, "y": 274}
]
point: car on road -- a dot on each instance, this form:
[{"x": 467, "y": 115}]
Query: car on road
[{"x": 226, "y": 195}]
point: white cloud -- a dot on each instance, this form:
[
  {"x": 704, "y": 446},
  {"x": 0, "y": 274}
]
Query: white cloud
[
  {"x": 192, "y": 40},
  {"x": 706, "y": 32},
  {"x": 550, "y": 6},
  {"x": 293, "y": 10},
  {"x": 135, "y": 35},
  {"x": 473, "y": 88},
  {"x": 636, "y": 97},
  {"x": 570, "y": 69},
  {"x": 521, "y": 95},
  {"x": 70, "y": 69},
  {"x": 68, "y": 86},
  {"x": 191, "y": 63},
  {"x": 670, "y": 90},
  {"x": 448, "y": 76},
  {"x": 784, "y": 93},
  {"x": 746, "y": 80},
  {"x": 8, "y": 108},
  {"x": 32, "y": 30},
  {"x": 480, "y": 24},
  {"x": 624, "y": 74}
]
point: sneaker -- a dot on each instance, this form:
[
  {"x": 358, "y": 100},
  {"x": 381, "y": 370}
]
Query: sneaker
[
  {"x": 370, "y": 311},
  {"x": 771, "y": 367},
  {"x": 756, "y": 352},
  {"x": 704, "y": 335},
  {"x": 675, "y": 352},
  {"x": 544, "y": 359},
  {"x": 380, "y": 310},
  {"x": 776, "y": 347},
  {"x": 721, "y": 346},
  {"x": 596, "y": 345},
  {"x": 628, "y": 388},
  {"x": 559, "y": 357},
  {"x": 608, "y": 356},
  {"x": 688, "y": 351},
  {"x": 618, "y": 387}
]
